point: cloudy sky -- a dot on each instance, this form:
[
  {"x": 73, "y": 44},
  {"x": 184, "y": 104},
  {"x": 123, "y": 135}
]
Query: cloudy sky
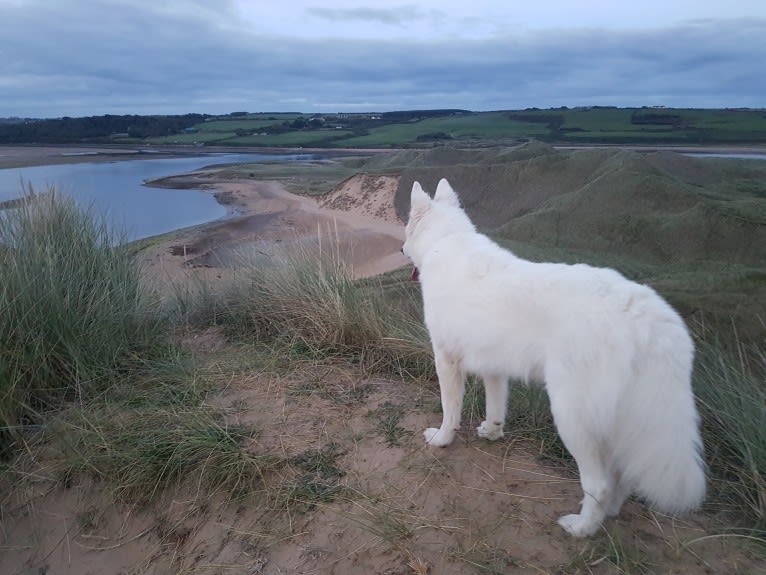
[{"x": 89, "y": 57}]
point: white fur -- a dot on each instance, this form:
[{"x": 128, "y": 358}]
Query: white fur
[{"x": 615, "y": 359}]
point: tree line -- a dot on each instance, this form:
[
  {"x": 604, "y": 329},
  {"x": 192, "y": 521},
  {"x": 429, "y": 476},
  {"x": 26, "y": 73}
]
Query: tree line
[{"x": 95, "y": 129}]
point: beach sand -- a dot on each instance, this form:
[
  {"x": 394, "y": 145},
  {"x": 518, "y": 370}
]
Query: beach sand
[{"x": 356, "y": 221}]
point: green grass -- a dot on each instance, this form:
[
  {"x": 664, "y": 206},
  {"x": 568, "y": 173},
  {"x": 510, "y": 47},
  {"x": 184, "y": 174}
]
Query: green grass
[
  {"x": 291, "y": 139},
  {"x": 577, "y": 125},
  {"x": 388, "y": 416},
  {"x": 317, "y": 480},
  {"x": 308, "y": 178},
  {"x": 306, "y": 298},
  {"x": 495, "y": 126},
  {"x": 614, "y": 125},
  {"x": 140, "y": 453},
  {"x": 75, "y": 317},
  {"x": 91, "y": 382},
  {"x": 731, "y": 388},
  {"x": 210, "y": 138}
]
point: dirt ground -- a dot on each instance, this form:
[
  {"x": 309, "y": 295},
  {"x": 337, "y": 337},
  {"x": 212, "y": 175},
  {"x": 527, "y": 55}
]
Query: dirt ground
[
  {"x": 389, "y": 505},
  {"x": 392, "y": 505}
]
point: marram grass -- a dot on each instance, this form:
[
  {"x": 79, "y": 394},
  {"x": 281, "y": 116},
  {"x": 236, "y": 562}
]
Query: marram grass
[
  {"x": 74, "y": 316},
  {"x": 306, "y": 299}
]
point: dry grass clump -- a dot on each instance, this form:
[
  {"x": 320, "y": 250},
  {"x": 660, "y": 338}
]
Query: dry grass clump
[{"x": 305, "y": 299}]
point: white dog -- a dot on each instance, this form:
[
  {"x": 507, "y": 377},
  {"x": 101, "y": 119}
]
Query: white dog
[{"x": 615, "y": 358}]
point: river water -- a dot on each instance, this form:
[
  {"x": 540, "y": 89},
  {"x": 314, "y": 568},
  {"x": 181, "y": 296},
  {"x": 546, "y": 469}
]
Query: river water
[{"x": 116, "y": 191}]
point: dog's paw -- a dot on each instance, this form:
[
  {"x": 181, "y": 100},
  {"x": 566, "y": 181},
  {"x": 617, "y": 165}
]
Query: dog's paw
[
  {"x": 576, "y": 525},
  {"x": 438, "y": 438},
  {"x": 490, "y": 431}
]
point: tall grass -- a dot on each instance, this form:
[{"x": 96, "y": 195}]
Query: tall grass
[
  {"x": 74, "y": 316},
  {"x": 91, "y": 382},
  {"x": 306, "y": 298},
  {"x": 731, "y": 388}
]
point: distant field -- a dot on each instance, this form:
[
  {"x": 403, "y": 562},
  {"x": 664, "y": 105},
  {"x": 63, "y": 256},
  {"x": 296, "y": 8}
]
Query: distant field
[
  {"x": 404, "y": 129},
  {"x": 650, "y": 124},
  {"x": 429, "y": 128},
  {"x": 309, "y": 138},
  {"x": 468, "y": 127}
]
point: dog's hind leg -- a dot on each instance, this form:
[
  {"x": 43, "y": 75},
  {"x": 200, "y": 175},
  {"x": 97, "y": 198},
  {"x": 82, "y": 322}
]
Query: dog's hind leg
[
  {"x": 620, "y": 493},
  {"x": 496, "y": 394},
  {"x": 452, "y": 387},
  {"x": 595, "y": 477},
  {"x": 597, "y": 486}
]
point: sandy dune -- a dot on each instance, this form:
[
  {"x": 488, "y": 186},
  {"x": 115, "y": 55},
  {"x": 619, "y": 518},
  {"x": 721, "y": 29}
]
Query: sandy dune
[{"x": 357, "y": 221}]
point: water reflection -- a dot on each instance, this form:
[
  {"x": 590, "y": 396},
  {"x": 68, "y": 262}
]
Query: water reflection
[{"x": 116, "y": 190}]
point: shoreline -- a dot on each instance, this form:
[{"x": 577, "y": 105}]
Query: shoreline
[
  {"x": 29, "y": 155},
  {"x": 264, "y": 217},
  {"x": 260, "y": 214}
]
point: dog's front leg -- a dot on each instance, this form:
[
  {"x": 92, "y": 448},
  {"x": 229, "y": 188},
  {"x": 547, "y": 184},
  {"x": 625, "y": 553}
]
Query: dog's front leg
[{"x": 452, "y": 387}]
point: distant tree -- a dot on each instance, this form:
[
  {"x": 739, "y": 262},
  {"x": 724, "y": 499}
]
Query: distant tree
[
  {"x": 67, "y": 130},
  {"x": 433, "y": 136}
]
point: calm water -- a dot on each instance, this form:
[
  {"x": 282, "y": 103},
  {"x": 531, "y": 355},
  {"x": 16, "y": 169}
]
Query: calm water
[
  {"x": 115, "y": 190},
  {"x": 728, "y": 156}
]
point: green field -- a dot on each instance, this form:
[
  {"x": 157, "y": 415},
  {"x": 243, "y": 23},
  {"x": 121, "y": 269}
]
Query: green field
[
  {"x": 410, "y": 128},
  {"x": 459, "y": 127}
]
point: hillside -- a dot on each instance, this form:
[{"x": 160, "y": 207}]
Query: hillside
[{"x": 693, "y": 228}]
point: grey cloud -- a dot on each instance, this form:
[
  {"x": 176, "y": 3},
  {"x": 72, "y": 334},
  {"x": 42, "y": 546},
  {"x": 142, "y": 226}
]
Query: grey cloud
[
  {"x": 398, "y": 16},
  {"x": 152, "y": 59}
]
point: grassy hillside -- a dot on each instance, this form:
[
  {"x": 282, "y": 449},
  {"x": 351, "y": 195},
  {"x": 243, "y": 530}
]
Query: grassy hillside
[{"x": 693, "y": 228}]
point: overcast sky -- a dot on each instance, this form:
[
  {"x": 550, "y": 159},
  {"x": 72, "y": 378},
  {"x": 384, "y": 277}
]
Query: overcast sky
[{"x": 92, "y": 57}]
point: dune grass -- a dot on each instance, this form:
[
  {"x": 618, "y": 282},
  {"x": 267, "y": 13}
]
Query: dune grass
[
  {"x": 74, "y": 316},
  {"x": 91, "y": 381},
  {"x": 305, "y": 300},
  {"x": 88, "y": 366},
  {"x": 730, "y": 382}
]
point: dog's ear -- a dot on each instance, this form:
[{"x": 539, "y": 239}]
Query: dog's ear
[
  {"x": 445, "y": 193},
  {"x": 419, "y": 200}
]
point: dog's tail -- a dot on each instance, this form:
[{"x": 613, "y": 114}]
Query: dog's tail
[{"x": 659, "y": 444}]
